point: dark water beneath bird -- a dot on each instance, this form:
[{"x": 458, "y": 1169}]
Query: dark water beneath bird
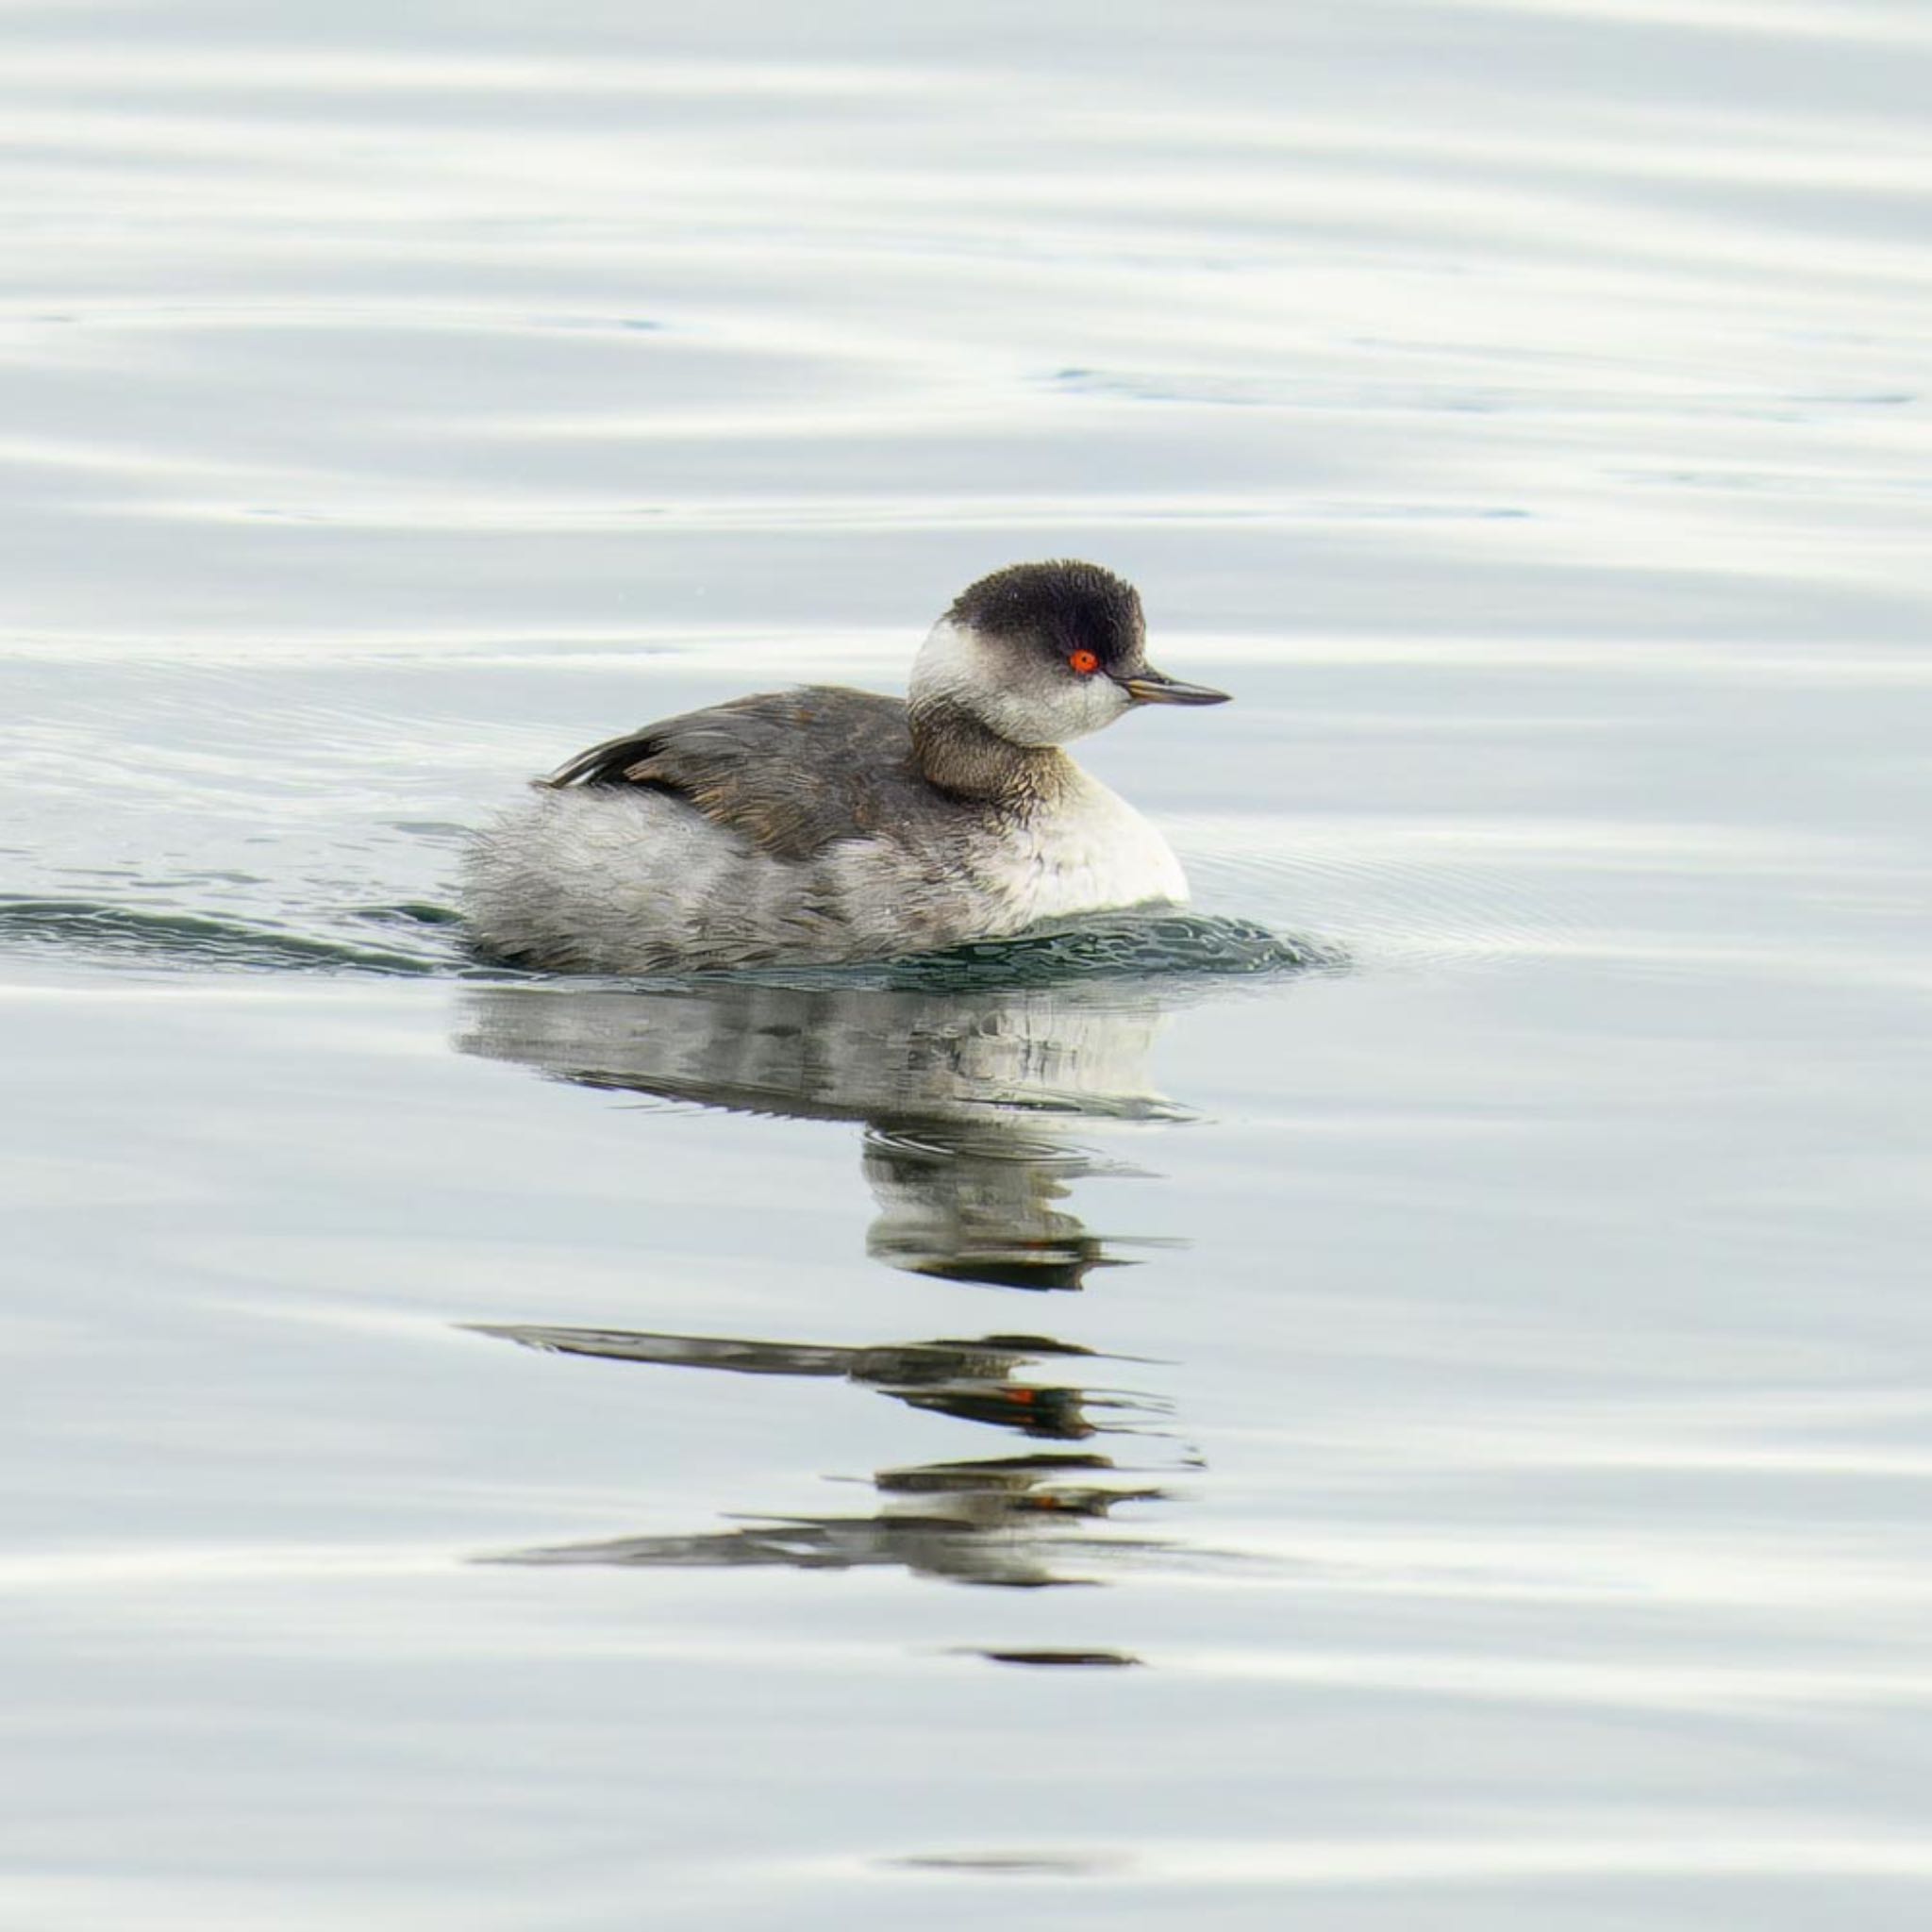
[
  {"x": 1135, "y": 945},
  {"x": 1399, "y": 1398}
]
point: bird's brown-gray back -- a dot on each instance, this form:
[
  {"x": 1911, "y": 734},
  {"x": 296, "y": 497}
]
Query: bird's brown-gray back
[{"x": 793, "y": 770}]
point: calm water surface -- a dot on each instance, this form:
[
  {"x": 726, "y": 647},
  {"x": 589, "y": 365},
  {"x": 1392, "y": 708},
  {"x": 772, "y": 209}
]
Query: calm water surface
[{"x": 1440, "y": 1439}]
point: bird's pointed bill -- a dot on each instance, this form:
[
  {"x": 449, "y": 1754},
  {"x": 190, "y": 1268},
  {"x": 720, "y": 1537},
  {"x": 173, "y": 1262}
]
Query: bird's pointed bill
[{"x": 1151, "y": 687}]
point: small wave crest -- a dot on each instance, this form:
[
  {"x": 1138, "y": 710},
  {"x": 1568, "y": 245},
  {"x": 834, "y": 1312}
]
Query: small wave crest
[
  {"x": 100, "y": 932},
  {"x": 1113, "y": 945},
  {"x": 1172, "y": 946}
]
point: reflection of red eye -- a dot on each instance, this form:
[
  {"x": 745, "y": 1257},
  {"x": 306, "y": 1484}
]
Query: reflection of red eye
[{"x": 1085, "y": 662}]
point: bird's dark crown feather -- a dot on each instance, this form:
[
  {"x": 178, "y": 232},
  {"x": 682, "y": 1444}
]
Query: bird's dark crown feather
[{"x": 1066, "y": 604}]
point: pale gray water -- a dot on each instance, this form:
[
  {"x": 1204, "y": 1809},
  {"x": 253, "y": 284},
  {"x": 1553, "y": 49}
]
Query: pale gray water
[{"x": 1442, "y": 1440}]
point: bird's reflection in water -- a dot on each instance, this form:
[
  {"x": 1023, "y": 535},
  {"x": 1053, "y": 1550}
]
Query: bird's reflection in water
[
  {"x": 1014, "y": 1519},
  {"x": 1014, "y": 1523},
  {"x": 967, "y": 1204},
  {"x": 965, "y": 1099},
  {"x": 971, "y": 1380}
]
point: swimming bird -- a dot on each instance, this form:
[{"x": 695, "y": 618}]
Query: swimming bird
[{"x": 824, "y": 825}]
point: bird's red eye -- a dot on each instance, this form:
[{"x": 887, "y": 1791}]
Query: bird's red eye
[{"x": 1085, "y": 662}]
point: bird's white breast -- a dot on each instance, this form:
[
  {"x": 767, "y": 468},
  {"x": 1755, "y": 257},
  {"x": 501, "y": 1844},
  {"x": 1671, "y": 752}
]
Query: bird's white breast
[{"x": 1092, "y": 851}]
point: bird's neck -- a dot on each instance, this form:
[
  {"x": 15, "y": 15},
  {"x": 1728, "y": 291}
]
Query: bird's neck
[
  {"x": 956, "y": 748},
  {"x": 962, "y": 756}
]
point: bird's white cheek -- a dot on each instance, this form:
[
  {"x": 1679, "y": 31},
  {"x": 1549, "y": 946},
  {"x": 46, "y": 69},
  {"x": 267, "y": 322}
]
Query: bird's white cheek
[
  {"x": 1053, "y": 712},
  {"x": 1064, "y": 711},
  {"x": 1098, "y": 700}
]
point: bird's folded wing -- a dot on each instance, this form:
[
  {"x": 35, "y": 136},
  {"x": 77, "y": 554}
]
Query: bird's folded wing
[{"x": 793, "y": 770}]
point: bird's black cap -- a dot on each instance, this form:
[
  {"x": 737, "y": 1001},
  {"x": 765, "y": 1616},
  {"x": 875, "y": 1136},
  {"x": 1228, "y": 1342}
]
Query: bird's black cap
[{"x": 1070, "y": 606}]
